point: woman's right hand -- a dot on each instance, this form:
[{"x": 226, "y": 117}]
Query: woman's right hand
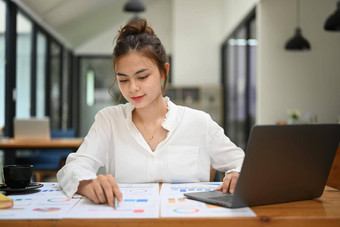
[{"x": 101, "y": 190}]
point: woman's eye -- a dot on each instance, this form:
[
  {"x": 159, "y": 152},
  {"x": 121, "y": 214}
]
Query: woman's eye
[
  {"x": 122, "y": 81},
  {"x": 143, "y": 77}
]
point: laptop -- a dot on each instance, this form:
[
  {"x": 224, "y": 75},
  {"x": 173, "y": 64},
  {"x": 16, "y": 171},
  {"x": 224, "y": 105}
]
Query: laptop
[
  {"x": 32, "y": 129},
  {"x": 282, "y": 164}
]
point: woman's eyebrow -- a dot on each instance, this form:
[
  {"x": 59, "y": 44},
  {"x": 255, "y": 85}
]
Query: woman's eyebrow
[{"x": 136, "y": 73}]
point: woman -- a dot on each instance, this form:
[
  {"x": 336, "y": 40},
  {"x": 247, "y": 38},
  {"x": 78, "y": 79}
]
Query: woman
[{"x": 149, "y": 139}]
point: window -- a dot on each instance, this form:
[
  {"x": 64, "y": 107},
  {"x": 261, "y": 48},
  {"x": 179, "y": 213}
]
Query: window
[
  {"x": 2, "y": 63},
  {"x": 55, "y": 84},
  {"x": 66, "y": 97},
  {"x": 33, "y": 81},
  {"x": 23, "y": 67},
  {"x": 238, "y": 81},
  {"x": 40, "y": 78}
]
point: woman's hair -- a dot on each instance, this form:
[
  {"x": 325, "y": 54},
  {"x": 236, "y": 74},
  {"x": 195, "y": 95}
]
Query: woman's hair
[{"x": 139, "y": 37}]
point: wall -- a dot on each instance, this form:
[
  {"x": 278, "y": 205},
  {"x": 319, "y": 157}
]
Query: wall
[
  {"x": 158, "y": 14},
  {"x": 307, "y": 81},
  {"x": 233, "y": 14},
  {"x": 197, "y": 26}
]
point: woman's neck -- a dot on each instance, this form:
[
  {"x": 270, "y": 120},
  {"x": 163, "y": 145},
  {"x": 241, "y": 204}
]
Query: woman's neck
[{"x": 153, "y": 112}]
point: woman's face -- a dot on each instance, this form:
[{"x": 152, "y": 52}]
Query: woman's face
[{"x": 139, "y": 79}]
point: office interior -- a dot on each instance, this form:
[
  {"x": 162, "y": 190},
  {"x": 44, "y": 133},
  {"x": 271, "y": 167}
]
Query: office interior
[{"x": 227, "y": 58}]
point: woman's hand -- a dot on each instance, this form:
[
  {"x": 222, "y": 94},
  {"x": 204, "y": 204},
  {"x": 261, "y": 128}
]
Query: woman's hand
[
  {"x": 229, "y": 183},
  {"x": 101, "y": 190}
]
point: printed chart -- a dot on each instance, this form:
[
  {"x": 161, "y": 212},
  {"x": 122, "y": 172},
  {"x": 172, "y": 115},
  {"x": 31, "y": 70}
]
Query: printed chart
[
  {"x": 139, "y": 201},
  {"x": 49, "y": 202},
  {"x": 175, "y": 204}
]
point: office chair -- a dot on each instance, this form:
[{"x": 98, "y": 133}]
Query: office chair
[{"x": 47, "y": 163}]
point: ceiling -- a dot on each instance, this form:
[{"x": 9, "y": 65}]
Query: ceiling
[{"x": 78, "y": 21}]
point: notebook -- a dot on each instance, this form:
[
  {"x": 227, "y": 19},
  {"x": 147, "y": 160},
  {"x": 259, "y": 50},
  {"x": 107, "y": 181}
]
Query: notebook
[
  {"x": 32, "y": 129},
  {"x": 5, "y": 202},
  {"x": 282, "y": 164}
]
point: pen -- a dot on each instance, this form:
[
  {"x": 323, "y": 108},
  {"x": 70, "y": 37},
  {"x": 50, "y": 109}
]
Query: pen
[{"x": 115, "y": 203}]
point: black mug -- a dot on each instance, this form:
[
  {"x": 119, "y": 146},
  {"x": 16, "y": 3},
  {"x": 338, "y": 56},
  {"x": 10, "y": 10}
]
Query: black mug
[{"x": 17, "y": 176}]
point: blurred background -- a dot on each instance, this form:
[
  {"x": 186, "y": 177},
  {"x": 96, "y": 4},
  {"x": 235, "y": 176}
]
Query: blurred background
[{"x": 228, "y": 57}]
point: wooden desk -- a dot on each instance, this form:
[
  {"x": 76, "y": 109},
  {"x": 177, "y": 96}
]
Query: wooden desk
[
  {"x": 334, "y": 176},
  {"x": 324, "y": 211},
  {"x": 10, "y": 146}
]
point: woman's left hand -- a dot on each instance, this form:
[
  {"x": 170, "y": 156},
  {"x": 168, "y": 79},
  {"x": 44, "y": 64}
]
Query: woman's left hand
[{"x": 229, "y": 183}]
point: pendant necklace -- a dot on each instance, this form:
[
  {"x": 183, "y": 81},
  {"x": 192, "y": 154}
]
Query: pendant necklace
[{"x": 153, "y": 134}]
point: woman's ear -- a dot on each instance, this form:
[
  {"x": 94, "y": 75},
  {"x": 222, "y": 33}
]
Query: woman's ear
[{"x": 167, "y": 67}]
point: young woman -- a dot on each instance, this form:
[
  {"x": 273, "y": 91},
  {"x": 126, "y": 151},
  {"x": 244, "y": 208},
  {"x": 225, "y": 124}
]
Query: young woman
[{"x": 149, "y": 139}]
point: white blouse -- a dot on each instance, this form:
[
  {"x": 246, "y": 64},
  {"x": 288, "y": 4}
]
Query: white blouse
[{"x": 194, "y": 143}]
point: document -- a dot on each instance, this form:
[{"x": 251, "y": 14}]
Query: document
[
  {"x": 48, "y": 202},
  {"x": 139, "y": 201},
  {"x": 175, "y": 204}
]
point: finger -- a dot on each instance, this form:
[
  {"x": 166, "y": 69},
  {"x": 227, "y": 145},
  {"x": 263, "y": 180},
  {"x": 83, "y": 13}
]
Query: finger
[
  {"x": 108, "y": 191},
  {"x": 91, "y": 194},
  {"x": 219, "y": 188},
  {"x": 115, "y": 188},
  {"x": 233, "y": 184},
  {"x": 99, "y": 190},
  {"x": 226, "y": 184}
]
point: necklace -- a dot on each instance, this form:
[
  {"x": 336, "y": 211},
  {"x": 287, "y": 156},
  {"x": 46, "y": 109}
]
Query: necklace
[{"x": 151, "y": 136}]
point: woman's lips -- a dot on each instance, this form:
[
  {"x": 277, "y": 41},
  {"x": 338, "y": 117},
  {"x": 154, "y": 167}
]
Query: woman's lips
[{"x": 137, "y": 98}]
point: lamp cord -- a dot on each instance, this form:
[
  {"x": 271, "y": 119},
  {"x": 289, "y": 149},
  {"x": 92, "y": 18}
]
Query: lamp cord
[{"x": 298, "y": 13}]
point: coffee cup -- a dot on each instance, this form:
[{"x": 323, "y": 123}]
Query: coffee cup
[{"x": 17, "y": 176}]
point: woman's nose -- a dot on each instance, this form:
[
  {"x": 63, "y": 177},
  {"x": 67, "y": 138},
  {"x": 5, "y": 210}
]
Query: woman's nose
[{"x": 134, "y": 86}]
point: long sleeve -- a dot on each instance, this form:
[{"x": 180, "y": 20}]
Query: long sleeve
[
  {"x": 225, "y": 155},
  {"x": 91, "y": 155}
]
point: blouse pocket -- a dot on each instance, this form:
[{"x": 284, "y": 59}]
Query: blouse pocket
[{"x": 183, "y": 162}]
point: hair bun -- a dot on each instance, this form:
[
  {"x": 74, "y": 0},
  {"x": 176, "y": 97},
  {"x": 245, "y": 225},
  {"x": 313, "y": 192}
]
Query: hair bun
[{"x": 134, "y": 27}]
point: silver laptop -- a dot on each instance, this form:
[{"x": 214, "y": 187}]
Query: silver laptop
[
  {"x": 32, "y": 129},
  {"x": 282, "y": 164}
]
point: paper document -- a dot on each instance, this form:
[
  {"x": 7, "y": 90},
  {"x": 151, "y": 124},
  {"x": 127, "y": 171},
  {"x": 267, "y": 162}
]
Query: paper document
[
  {"x": 139, "y": 201},
  {"x": 49, "y": 202},
  {"x": 175, "y": 204}
]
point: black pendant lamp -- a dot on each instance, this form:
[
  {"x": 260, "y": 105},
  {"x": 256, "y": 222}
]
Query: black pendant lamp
[
  {"x": 333, "y": 21},
  {"x": 134, "y": 6},
  {"x": 297, "y": 42}
]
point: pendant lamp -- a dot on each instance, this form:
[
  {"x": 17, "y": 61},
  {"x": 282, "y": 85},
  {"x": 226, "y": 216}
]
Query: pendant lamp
[
  {"x": 134, "y": 6},
  {"x": 297, "y": 42},
  {"x": 333, "y": 21}
]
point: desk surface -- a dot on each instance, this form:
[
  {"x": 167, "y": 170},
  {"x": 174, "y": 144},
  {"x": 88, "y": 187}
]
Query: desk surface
[
  {"x": 34, "y": 144},
  {"x": 324, "y": 211},
  {"x": 10, "y": 146}
]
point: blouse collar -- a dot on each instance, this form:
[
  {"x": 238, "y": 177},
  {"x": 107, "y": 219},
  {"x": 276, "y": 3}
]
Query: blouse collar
[{"x": 170, "y": 117}]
